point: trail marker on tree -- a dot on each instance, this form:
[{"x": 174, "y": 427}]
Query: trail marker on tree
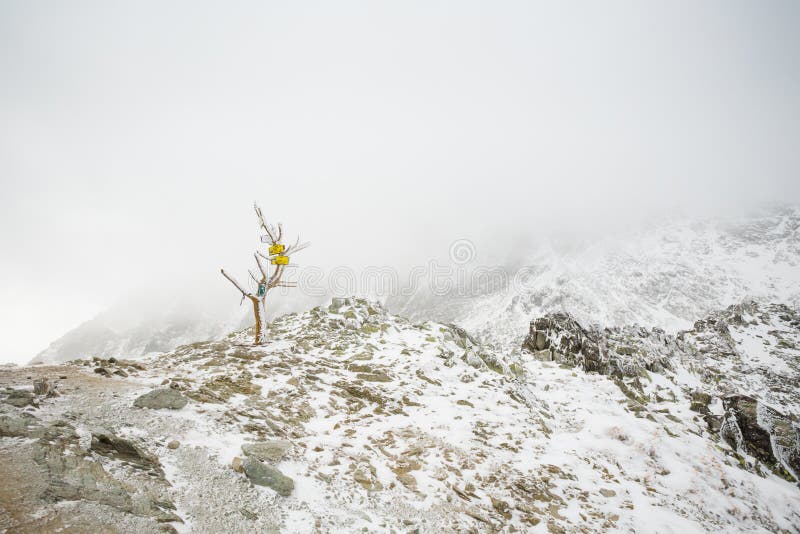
[{"x": 279, "y": 257}]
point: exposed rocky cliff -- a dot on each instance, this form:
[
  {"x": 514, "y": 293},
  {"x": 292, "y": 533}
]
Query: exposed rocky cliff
[{"x": 745, "y": 360}]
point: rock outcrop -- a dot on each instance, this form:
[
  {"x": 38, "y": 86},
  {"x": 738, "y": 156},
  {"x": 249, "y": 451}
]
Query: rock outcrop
[
  {"x": 764, "y": 433},
  {"x": 746, "y": 347},
  {"x": 621, "y": 351}
]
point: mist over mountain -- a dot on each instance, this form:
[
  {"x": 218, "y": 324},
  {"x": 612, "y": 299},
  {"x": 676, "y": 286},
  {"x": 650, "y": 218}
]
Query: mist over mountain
[
  {"x": 400, "y": 267},
  {"x": 667, "y": 275}
]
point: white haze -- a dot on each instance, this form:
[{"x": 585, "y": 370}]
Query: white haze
[{"x": 134, "y": 136}]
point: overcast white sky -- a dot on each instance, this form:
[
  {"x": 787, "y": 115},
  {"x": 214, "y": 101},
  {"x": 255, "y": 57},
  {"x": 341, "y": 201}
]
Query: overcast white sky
[{"x": 135, "y": 135}]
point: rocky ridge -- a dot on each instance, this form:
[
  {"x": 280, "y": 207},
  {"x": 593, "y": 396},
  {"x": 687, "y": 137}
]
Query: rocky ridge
[
  {"x": 746, "y": 360},
  {"x": 354, "y": 419}
]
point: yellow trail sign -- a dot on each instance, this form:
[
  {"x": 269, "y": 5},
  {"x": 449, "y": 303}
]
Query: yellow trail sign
[
  {"x": 276, "y": 249},
  {"x": 280, "y": 260}
]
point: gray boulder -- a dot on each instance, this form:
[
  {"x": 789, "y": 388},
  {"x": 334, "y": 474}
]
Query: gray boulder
[
  {"x": 265, "y": 475},
  {"x": 20, "y": 398},
  {"x": 161, "y": 398},
  {"x": 13, "y": 426}
]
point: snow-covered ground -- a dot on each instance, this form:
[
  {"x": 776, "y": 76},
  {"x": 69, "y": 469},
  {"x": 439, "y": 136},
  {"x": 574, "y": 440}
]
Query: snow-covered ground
[{"x": 395, "y": 426}]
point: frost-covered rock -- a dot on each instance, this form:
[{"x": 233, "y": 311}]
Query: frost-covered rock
[
  {"x": 747, "y": 355},
  {"x": 621, "y": 351},
  {"x": 764, "y": 433}
]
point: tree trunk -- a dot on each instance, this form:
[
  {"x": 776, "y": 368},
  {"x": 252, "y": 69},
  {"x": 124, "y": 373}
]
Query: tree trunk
[{"x": 260, "y": 314}]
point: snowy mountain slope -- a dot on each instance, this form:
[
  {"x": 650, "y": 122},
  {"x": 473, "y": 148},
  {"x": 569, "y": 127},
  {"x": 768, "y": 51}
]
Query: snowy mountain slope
[
  {"x": 666, "y": 276},
  {"x": 154, "y": 334},
  {"x": 159, "y": 321},
  {"x": 364, "y": 420}
]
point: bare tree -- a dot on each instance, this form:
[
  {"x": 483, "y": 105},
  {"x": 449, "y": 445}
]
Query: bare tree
[{"x": 278, "y": 257}]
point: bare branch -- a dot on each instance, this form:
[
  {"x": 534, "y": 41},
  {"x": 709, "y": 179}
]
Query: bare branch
[
  {"x": 235, "y": 283},
  {"x": 261, "y": 267},
  {"x": 297, "y": 247},
  {"x": 276, "y": 276},
  {"x": 266, "y": 227}
]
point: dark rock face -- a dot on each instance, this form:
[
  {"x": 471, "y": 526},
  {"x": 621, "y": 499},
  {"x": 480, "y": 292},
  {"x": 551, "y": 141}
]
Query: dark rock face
[
  {"x": 161, "y": 398},
  {"x": 114, "y": 446},
  {"x": 561, "y": 337},
  {"x": 751, "y": 426},
  {"x": 565, "y": 340}
]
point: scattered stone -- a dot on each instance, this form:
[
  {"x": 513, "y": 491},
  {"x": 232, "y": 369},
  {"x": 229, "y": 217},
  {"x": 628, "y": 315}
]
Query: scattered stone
[
  {"x": 174, "y": 444},
  {"x": 248, "y": 514},
  {"x": 237, "y": 465},
  {"x": 267, "y": 451},
  {"x": 161, "y": 398},
  {"x": 42, "y": 387},
  {"x": 265, "y": 475},
  {"x": 501, "y": 507},
  {"x": 605, "y": 492},
  {"x": 367, "y": 479},
  {"x": 102, "y": 371},
  {"x": 408, "y": 480},
  {"x": 121, "y": 372},
  {"x": 376, "y": 376}
]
